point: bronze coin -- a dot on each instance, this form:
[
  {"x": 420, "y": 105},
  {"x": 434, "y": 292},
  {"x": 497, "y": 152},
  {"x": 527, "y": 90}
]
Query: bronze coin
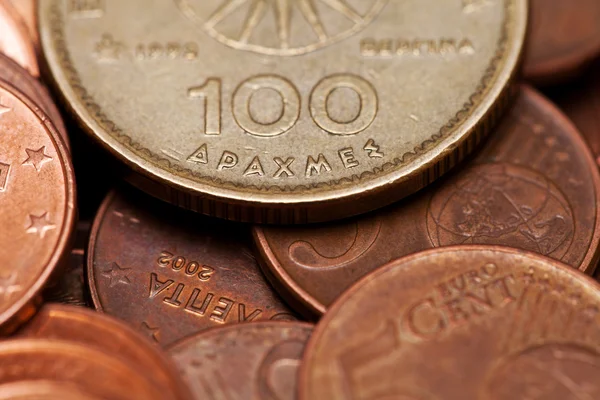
[
  {"x": 581, "y": 102},
  {"x": 38, "y": 390},
  {"x": 72, "y": 365},
  {"x": 564, "y": 36},
  {"x": 94, "y": 329},
  {"x": 171, "y": 273},
  {"x": 37, "y": 189},
  {"x": 15, "y": 41},
  {"x": 27, "y": 10},
  {"x": 245, "y": 361},
  {"x": 17, "y": 76},
  {"x": 462, "y": 322},
  {"x": 71, "y": 287},
  {"x": 533, "y": 186}
]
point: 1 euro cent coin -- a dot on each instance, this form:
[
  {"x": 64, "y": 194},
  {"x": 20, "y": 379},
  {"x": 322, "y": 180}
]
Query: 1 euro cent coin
[{"x": 465, "y": 322}]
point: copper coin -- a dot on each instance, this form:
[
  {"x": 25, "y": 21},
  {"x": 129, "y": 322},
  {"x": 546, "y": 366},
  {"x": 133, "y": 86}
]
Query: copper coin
[
  {"x": 17, "y": 76},
  {"x": 69, "y": 364},
  {"x": 564, "y": 37},
  {"x": 27, "y": 10},
  {"x": 462, "y": 322},
  {"x": 581, "y": 103},
  {"x": 94, "y": 329},
  {"x": 533, "y": 186},
  {"x": 171, "y": 273},
  {"x": 15, "y": 41},
  {"x": 71, "y": 287},
  {"x": 37, "y": 189},
  {"x": 244, "y": 361},
  {"x": 37, "y": 390}
]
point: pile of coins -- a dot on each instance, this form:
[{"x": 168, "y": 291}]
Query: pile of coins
[{"x": 311, "y": 199}]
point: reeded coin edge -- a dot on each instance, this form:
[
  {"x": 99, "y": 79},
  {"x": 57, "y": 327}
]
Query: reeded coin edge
[
  {"x": 305, "y": 367},
  {"x": 513, "y": 27},
  {"x": 11, "y": 318}
]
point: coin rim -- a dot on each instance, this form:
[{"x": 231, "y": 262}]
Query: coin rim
[
  {"x": 120, "y": 330},
  {"x": 323, "y": 325},
  {"x": 91, "y": 248},
  {"x": 226, "y": 200},
  {"x": 308, "y": 304},
  {"x": 12, "y": 316}
]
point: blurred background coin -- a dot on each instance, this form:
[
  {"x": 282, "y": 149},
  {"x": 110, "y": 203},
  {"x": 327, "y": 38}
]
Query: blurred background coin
[
  {"x": 28, "y": 12},
  {"x": 37, "y": 208},
  {"x": 15, "y": 40},
  {"x": 581, "y": 102},
  {"x": 564, "y": 37},
  {"x": 113, "y": 337},
  {"x": 76, "y": 368},
  {"x": 170, "y": 273},
  {"x": 284, "y": 112},
  {"x": 246, "y": 361},
  {"x": 534, "y": 185},
  {"x": 462, "y": 322}
]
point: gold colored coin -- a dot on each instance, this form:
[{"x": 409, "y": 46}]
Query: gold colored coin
[{"x": 284, "y": 111}]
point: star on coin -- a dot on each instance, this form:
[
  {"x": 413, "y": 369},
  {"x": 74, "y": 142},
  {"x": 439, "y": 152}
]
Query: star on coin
[
  {"x": 283, "y": 11},
  {"x": 37, "y": 158},
  {"x": 152, "y": 333},
  {"x": 39, "y": 224},
  {"x": 117, "y": 275}
]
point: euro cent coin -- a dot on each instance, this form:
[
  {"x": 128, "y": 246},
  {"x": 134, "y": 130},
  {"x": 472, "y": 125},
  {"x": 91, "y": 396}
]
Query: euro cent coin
[
  {"x": 15, "y": 40},
  {"x": 17, "y": 76},
  {"x": 77, "y": 369},
  {"x": 287, "y": 111},
  {"x": 111, "y": 336},
  {"x": 564, "y": 38},
  {"x": 37, "y": 208},
  {"x": 465, "y": 322},
  {"x": 171, "y": 274},
  {"x": 534, "y": 186},
  {"x": 246, "y": 361}
]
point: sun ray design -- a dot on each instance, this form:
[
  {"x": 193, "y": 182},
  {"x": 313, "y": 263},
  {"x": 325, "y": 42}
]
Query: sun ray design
[
  {"x": 286, "y": 14},
  {"x": 222, "y": 12},
  {"x": 343, "y": 8},
  {"x": 307, "y": 7},
  {"x": 255, "y": 15},
  {"x": 283, "y": 11}
]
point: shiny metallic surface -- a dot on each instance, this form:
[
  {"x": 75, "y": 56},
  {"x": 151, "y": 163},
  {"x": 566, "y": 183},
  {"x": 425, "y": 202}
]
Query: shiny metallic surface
[
  {"x": 245, "y": 361},
  {"x": 170, "y": 273},
  {"x": 465, "y": 322},
  {"x": 28, "y": 12},
  {"x": 534, "y": 185},
  {"x": 37, "y": 211},
  {"x": 564, "y": 37},
  {"x": 287, "y": 111},
  {"x": 18, "y": 77},
  {"x": 76, "y": 324},
  {"x": 15, "y": 41},
  {"x": 75, "y": 367}
]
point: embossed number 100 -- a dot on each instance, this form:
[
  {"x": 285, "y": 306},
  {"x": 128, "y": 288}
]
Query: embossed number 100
[{"x": 318, "y": 105}]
